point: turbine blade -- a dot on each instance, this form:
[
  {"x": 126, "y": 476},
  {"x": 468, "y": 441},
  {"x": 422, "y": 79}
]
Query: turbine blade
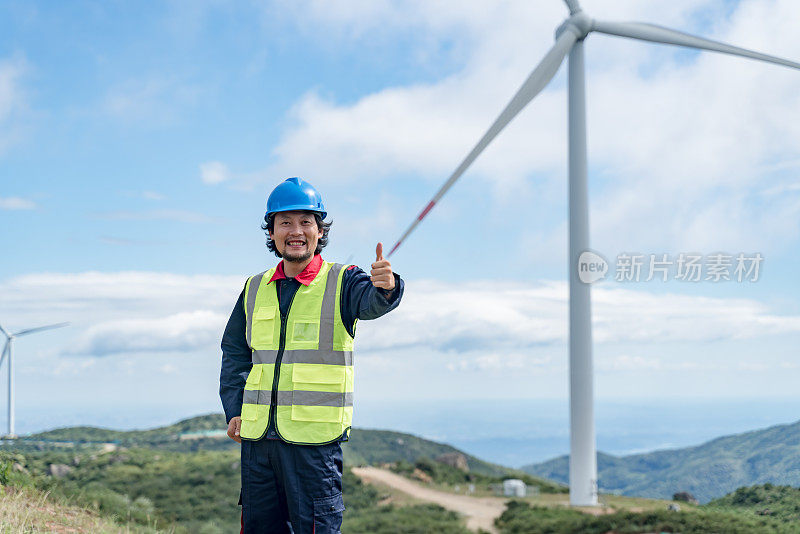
[
  {"x": 39, "y": 329},
  {"x": 5, "y": 349},
  {"x": 573, "y": 6},
  {"x": 533, "y": 85},
  {"x": 659, "y": 34},
  {"x": 3, "y": 330}
]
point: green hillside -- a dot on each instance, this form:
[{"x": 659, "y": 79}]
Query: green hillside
[
  {"x": 142, "y": 491},
  {"x": 181, "y": 479},
  {"x": 185, "y": 476},
  {"x": 384, "y": 446},
  {"x": 708, "y": 471},
  {"x": 523, "y": 518},
  {"x": 170, "y": 437},
  {"x": 364, "y": 447},
  {"x": 766, "y": 500}
]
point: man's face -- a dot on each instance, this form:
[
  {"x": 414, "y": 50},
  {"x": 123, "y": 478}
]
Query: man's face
[{"x": 295, "y": 234}]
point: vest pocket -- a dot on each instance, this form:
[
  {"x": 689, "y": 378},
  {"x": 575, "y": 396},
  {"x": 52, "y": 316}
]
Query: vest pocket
[
  {"x": 316, "y": 378},
  {"x": 249, "y": 412},
  {"x": 264, "y": 321},
  {"x": 304, "y": 333},
  {"x": 254, "y": 378},
  {"x": 317, "y": 414},
  {"x": 308, "y": 375}
]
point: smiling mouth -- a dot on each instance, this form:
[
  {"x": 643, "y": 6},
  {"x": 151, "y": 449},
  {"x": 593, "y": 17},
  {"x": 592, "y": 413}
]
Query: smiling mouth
[{"x": 294, "y": 243}]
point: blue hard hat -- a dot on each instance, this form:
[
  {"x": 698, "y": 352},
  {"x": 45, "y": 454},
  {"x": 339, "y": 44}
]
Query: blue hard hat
[{"x": 295, "y": 194}]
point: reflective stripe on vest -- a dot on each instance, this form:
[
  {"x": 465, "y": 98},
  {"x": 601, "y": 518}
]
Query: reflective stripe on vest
[{"x": 315, "y": 376}]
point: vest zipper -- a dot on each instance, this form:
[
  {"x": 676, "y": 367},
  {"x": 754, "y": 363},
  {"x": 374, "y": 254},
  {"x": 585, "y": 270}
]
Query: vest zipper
[
  {"x": 278, "y": 358},
  {"x": 273, "y": 403}
]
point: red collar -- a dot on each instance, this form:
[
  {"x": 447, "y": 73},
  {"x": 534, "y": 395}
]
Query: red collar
[{"x": 306, "y": 275}]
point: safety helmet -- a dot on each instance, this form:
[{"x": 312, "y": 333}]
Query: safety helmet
[{"x": 294, "y": 194}]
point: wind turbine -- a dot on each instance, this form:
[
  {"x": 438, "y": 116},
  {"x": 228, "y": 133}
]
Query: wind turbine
[
  {"x": 569, "y": 40},
  {"x": 7, "y": 349}
]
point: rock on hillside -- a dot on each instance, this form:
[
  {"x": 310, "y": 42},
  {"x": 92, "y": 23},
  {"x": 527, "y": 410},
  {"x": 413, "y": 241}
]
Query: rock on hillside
[{"x": 454, "y": 459}]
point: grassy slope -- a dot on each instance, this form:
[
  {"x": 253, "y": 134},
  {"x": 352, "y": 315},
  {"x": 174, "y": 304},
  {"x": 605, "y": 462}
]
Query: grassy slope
[
  {"x": 707, "y": 471},
  {"x": 25, "y": 509},
  {"x": 197, "y": 491},
  {"x": 766, "y": 500}
]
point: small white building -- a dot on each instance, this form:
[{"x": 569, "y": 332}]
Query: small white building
[{"x": 514, "y": 487}]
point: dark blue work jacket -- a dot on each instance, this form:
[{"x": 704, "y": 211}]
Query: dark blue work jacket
[{"x": 359, "y": 300}]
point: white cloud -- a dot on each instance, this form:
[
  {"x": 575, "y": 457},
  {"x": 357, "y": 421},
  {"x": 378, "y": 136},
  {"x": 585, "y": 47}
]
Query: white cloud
[
  {"x": 625, "y": 362},
  {"x": 168, "y": 369},
  {"x": 463, "y": 318},
  {"x": 11, "y": 70},
  {"x": 185, "y": 216},
  {"x": 214, "y": 172},
  {"x": 498, "y": 316},
  {"x": 16, "y": 203},
  {"x": 493, "y": 361},
  {"x": 181, "y": 332},
  {"x": 125, "y": 312},
  {"x": 12, "y": 98},
  {"x": 113, "y": 240},
  {"x": 678, "y": 138},
  {"x": 752, "y": 366},
  {"x": 71, "y": 366},
  {"x": 155, "y": 100},
  {"x": 152, "y": 195},
  {"x": 91, "y": 298},
  {"x": 487, "y": 324}
]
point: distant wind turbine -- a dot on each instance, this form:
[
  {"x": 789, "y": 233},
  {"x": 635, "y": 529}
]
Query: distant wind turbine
[
  {"x": 8, "y": 349},
  {"x": 569, "y": 40}
]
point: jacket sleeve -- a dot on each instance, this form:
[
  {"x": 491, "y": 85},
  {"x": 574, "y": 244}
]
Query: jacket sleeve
[
  {"x": 362, "y": 300},
  {"x": 236, "y": 362}
]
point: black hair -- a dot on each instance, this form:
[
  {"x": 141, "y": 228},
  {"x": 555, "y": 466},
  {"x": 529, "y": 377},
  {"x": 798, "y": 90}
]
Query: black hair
[{"x": 268, "y": 226}]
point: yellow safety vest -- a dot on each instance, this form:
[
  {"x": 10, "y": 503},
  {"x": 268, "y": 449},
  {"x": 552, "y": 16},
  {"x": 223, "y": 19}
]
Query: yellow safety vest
[{"x": 313, "y": 352}]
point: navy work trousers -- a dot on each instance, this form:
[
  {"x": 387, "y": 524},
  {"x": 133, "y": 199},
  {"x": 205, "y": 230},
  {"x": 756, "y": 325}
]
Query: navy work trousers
[{"x": 291, "y": 489}]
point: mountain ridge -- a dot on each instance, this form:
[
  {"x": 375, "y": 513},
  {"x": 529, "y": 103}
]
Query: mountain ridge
[{"x": 708, "y": 470}]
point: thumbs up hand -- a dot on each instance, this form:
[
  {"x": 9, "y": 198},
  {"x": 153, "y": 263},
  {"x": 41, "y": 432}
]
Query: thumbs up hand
[{"x": 382, "y": 276}]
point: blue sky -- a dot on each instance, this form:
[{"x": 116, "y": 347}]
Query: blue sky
[{"x": 138, "y": 144}]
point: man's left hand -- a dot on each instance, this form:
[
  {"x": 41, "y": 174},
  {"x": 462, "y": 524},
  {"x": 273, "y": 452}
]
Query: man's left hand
[{"x": 382, "y": 275}]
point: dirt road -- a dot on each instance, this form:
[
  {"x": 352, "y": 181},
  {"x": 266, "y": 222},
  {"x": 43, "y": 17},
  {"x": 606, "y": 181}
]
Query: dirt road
[{"x": 479, "y": 511}]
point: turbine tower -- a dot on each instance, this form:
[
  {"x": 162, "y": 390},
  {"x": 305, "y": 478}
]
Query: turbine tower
[
  {"x": 570, "y": 36},
  {"x": 8, "y": 349}
]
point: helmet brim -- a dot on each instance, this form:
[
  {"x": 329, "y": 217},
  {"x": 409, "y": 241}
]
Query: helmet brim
[{"x": 296, "y": 207}]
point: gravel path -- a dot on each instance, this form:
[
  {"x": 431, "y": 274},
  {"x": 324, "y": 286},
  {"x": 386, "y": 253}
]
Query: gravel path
[{"x": 479, "y": 511}]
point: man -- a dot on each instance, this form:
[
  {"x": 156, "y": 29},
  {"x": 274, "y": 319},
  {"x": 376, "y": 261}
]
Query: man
[{"x": 287, "y": 368}]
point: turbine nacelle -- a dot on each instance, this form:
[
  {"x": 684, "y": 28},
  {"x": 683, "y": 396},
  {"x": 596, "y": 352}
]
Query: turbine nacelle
[{"x": 579, "y": 23}]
